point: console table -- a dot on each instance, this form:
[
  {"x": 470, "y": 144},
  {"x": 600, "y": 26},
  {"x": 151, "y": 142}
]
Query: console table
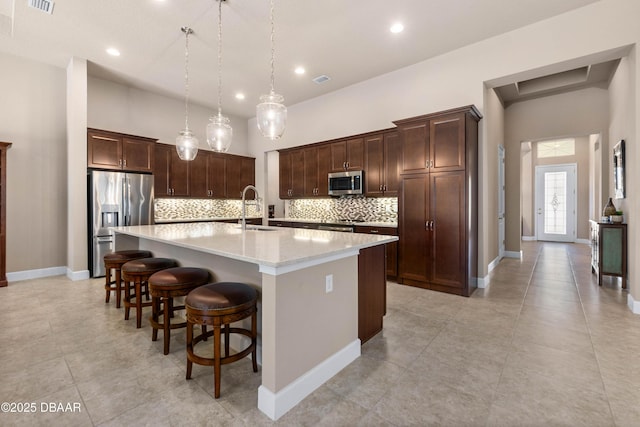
[
  {"x": 4, "y": 146},
  {"x": 609, "y": 250}
]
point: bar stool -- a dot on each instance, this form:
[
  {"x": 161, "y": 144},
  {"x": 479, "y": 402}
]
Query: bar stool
[
  {"x": 114, "y": 261},
  {"x": 138, "y": 271},
  {"x": 218, "y": 305},
  {"x": 164, "y": 286}
]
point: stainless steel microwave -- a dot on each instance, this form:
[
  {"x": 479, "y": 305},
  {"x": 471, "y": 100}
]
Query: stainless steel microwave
[{"x": 341, "y": 183}]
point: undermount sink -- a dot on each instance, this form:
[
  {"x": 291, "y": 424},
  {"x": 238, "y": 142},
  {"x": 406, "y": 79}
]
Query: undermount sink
[{"x": 257, "y": 228}]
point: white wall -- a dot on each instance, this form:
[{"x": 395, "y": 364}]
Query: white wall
[
  {"x": 33, "y": 118},
  {"x": 119, "y": 108},
  {"x": 600, "y": 31}
]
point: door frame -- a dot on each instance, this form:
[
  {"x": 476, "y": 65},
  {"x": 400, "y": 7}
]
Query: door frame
[{"x": 501, "y": 202}]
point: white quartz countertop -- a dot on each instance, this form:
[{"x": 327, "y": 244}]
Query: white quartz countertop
[
  {"x": 329, "y": 221},
  {"x": 217, "y": 218},
  {"x": 267, "y": 246}
]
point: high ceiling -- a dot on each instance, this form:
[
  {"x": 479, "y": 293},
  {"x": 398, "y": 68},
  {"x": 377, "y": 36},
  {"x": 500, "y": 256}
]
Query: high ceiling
[{"x": 347, "y": 40}]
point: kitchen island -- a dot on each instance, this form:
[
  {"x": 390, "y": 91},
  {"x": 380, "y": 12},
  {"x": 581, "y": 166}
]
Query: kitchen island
[{"x": 309, "y": 296}]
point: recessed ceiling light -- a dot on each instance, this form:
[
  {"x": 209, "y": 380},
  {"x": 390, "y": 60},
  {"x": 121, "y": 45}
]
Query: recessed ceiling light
[
  {"x": 113, "y": 51},
  {"x": 300, "y": 70},
  {"x": 240, "y": 96},
  {"x": 396, "y": 28}
]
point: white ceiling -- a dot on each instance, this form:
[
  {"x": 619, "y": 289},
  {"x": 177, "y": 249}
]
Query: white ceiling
[{"x": 348, "y": 40}]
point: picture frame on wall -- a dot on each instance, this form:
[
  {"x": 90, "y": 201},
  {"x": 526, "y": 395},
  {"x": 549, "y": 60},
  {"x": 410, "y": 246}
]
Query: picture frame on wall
[{"x": 618, "y": 169}]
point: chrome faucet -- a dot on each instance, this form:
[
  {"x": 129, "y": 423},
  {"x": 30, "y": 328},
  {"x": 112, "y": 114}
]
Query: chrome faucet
[{"x": 243, "y": 221}]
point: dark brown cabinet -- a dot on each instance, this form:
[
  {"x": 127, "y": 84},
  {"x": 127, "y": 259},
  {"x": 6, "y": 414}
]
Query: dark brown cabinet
[
  {"x": 381, "y": 162},
  {"x": 390, "y": 248},
  {"x": 170, "y": 174},
  {"x": 116, "y": 151},
  {"x": 240, "y": 172},
  {"x": 437, "y": 203},
  {"x": 291, "y": 173},
  {"x": 317, "y": 161},
  {"x": 208, "y": 175},
  {"x": 347, "y": 155},
  {"x": 4, "y": 146},
  {"x": 372, "y": 292}
]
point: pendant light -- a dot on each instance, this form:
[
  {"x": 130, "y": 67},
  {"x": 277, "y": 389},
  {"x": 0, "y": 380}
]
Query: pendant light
[
  {"x": 271, "y": 113},
  {"x": 186, "y": 143},
  {"x": 219, "y": 132}
]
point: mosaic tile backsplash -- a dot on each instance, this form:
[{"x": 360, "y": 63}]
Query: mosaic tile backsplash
[
  {"x": 188, "y": 209},
  {"x": 379, "y": 209}
]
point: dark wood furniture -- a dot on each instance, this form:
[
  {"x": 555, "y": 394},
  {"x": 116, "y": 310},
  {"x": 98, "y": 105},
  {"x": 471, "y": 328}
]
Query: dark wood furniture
[
  {"x": 609, "y": 250},
  {"x": 217, "y": 305},
  {"x": 4, "y": 146},
  {"x": 347, "y": 155},
  {"x": 381, "y": 163},
  {"x": 164, "y": 286},
  {"x": 391, "y": 249},
  {"x": 113, "y": 263},
  {"x": 138, "y": 272},
  {"x": 438, "y": 201},
  {"x": 118, "y": 151},
  {"x": 209, "y": 175},
  {"x": 372, "y": 291}
]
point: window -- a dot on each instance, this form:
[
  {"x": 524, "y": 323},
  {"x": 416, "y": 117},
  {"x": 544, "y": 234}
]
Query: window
[{"x": 556, "y": 148}]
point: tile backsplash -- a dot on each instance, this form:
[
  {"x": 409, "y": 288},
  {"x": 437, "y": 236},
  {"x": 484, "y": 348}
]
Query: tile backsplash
[
  {"x": 379, "y": 209},
  {"x": 189, "y": 209}
]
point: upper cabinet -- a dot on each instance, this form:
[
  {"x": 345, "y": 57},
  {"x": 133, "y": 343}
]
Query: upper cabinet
[
  {"x": 209, "y": 175},
  {"x": 116, "y": 151},
  {"x": 347, "y": 155},
  {"x": 433, "y": 143},
  {"x": 381, "y": 162},
  {"x": 170, "y": 174}
]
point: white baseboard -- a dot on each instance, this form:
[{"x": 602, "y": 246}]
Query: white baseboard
[
  {"x": 484, "y": 282},
  {"x": 77, "y": 275},
  {"x": 16, "y": 276},
  {"x": 583, "y": 241},
  {"x": 513, "y": 254},
  {"x": 634, "y": 305},
  {"x": 275, "y": 405},
  {"x": 529, "y": 238}
]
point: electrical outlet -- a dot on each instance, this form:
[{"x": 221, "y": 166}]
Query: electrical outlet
[{"x": 329, "y": 283}]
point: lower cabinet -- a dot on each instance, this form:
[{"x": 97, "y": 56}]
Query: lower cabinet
[
  {"x": 609, "y": 250},
  {"x": 390, "y": 248}
]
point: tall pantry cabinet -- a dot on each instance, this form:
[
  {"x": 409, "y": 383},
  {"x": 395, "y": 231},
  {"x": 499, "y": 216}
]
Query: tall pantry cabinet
[{"x": 438, "y": 201}]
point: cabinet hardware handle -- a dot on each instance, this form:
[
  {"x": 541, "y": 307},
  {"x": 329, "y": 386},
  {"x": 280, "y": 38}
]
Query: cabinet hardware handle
[
  {"x": 384, "y": 187},
  {"x": 119, "y": 162},
  {"x": 432, "y": 226},
  {"x": 430, "y": 163},
  {"x": 125, "y": 162},
  {"x": 373, "y": 231},
  {"x": 104, "y": 138},
  {"x": 426, "y": 225}
]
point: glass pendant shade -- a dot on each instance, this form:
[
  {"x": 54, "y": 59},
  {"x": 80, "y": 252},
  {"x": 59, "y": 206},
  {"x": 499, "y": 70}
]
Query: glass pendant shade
[
  {"x": 271, "y": 115},
  {"x": 219, "y": 133},
  {"x": 186, "y": 145}
]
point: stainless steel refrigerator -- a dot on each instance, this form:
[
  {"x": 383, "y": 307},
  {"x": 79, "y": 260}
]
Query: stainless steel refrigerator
[{"x": 115, "y": 199}]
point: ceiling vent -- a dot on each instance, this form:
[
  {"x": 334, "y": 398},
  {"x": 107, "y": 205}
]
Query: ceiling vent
[
  {"x": 321, "y": 79},
  {"x": 43, "y": 5}
]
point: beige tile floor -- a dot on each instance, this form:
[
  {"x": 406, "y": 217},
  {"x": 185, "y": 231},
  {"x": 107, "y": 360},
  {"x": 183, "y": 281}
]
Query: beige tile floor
[{"x": 542, "y": 346}]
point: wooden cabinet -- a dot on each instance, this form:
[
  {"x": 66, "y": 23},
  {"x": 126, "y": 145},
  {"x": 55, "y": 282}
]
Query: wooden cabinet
[
  {"x": 390, "y": 248},
  {"x": 116, "y": 151},
  {"x": 317, "y": 162},
  {"x": 381, "y": 161},
  {"x": 609, "y": 250},
  {"x": 4, "y": 146},
  {"x": 240, "y": 172},
  {"x": 291, "y": 173},
  {"x": 170, "y": 174},
  {"x": 437, "y": 203},
  {"x": 208, "y": 175},
  {"x": 347, "y": 155},
  {"x": 372, "y": 291}
]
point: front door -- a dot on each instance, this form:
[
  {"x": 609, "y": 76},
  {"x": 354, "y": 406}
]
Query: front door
[{"x": 556, "y": 203}]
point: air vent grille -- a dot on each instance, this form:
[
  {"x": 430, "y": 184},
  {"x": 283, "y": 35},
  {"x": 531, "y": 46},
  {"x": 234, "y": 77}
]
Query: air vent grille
[
  {"x": 321, "y": 79},
  {"x": 43, "y": 5}
]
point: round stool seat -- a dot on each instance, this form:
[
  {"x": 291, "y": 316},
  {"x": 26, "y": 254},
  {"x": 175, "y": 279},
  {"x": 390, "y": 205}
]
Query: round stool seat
[
  {"x": 127, "y": 255},
  {"x": 164, "y": 286},
  {"x": 220, "y": 296},
  {"x": 138, "y": 271},
  {"x": 114, "y": 261},
  {"x": 218, "y": 305}
]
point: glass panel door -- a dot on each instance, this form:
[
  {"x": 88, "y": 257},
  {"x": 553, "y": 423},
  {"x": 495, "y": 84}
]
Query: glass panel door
[{"x": 556, "y": 203}]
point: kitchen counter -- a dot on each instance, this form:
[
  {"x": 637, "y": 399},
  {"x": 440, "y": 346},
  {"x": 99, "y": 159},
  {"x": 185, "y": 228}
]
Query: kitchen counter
[
  {"x": 210, "y": 219},
  {"x": 308, "y": 281},
  {"x": 337, "y": 222}
]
